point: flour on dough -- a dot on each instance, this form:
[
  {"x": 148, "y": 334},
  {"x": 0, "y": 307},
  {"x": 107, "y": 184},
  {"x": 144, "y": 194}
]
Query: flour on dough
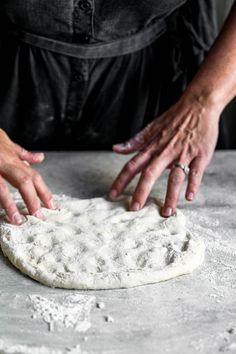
[{"x": 98, "y": 244}]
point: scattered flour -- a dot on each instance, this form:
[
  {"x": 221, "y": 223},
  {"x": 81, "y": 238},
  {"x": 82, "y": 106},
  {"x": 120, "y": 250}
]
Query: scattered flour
[
  {"x": 8, "y": 348},
  {"x": 72, "y": 311},
  {"x": 100, "y": 305},
  {"x": 228, "y": 348},
  {"x": 108, "y": 318}
]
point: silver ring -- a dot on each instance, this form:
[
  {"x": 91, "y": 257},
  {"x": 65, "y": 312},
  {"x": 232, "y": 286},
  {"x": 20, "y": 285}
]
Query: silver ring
[{"x": 184, "y": 168}]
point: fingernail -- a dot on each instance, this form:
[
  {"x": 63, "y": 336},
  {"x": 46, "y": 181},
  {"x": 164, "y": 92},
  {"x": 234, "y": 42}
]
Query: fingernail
[
  {"x": 17, "y": 218},
  {"x": 190, "y": 196},
  {"x": 113, "y": 193},
  {"x": 123, "y": 146},
  {"x": 167, "y": 212},
  {"x": 26, "y": 163},
  {"x": 135, "y": 206},
  {"x": 39, "y": 155},
  {"x": 38, "y": 214},
  {"x": 52, "y": 204}
]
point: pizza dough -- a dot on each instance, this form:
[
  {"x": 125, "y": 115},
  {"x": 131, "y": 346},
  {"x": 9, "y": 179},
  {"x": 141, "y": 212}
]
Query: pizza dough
[{"x": 98, "y": 244}]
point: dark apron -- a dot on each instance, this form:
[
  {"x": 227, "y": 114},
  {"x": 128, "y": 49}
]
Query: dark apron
[{"x": 60, "y": 95}]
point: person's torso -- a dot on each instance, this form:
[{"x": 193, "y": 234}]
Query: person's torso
[{"x": 85, "y": 20}]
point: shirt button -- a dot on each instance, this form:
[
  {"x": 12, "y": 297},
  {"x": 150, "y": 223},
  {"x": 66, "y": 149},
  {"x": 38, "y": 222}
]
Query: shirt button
[
  {"x": 84, "y": 5},
  {"x": 78, "y": 77}
]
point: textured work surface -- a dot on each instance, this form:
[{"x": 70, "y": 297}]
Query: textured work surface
[
  {"x": 98, "y": 244},
  {"x": 190, "y": 314}
]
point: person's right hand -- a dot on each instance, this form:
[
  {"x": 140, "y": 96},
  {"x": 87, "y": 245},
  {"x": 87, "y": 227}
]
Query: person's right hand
[{"x": 15, "y": 168}]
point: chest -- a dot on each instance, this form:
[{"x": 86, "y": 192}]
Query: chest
[{"x": 99, "y": 18}]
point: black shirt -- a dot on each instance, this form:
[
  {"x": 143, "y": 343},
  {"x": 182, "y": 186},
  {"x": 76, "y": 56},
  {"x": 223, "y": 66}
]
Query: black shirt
[
  {"x": 85, "y": 20},
  {"x": 90, "y": 73}
]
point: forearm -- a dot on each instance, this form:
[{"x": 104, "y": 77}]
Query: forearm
[{"x": 215, "y": 82}]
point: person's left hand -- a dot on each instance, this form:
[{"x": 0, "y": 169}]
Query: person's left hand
[{"x": 186, "y": 134}]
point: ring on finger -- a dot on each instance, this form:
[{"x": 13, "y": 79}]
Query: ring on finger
[{"x": 184, "y": 168}]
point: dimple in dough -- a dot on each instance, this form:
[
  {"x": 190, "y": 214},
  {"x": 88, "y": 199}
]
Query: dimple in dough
[{"x": 98, "y": 244}]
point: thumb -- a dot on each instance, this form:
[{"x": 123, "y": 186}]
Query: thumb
[
  {"x": 30, "y": 157},
  {"x": 132, "y": 145}
]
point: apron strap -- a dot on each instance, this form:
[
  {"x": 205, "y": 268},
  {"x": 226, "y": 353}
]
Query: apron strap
[{"x": 115, "y": 48}]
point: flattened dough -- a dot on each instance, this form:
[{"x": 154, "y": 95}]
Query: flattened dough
[{"x": 97, "y": 244}]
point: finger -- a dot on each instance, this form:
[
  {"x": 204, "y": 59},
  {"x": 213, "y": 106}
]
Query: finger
[
  {"x": 30, "y": 157},
  {"x": 131, "y": 168},
  {"x": 175, "y": 181},
  {"x": 9, "y": 205},
  {"x": 138, "y": 142},
  {"x": 147, "y": 180},
  {"x": 21, "y": 179},
  {"x": 43, "y": 192},
  {"x": 130, "y": 146},
  {"x": 197, "y": 168}
]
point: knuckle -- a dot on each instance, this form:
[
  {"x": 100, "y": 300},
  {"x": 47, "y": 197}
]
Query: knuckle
[
  {"x": 3, "y": 187},
  {"x": 149, "y": 174},
  {"x": 25, "y": 180},
  {"x": 117, "y": 183},
  {"x": 36, "y": 177},
  {"x": 164, "y": 133},
  {"x": 195, "y": 173},
  {"x": 122, "y": 178},
  {"x": 10, "y": 207},
  {"x": 23, "y": 152},
  {"x": 130, "y": 166},
  {"x": 204, "y": 158}
]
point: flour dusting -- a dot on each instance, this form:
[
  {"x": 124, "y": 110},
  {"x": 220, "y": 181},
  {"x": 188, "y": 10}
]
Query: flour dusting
[
  {"x": 8, "y": 348},
  {"x": 72, "y": 311}
]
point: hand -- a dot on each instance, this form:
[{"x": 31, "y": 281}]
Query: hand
[
  {"x": 15, "y": 168},
  {"x": 186, "y": 133}
]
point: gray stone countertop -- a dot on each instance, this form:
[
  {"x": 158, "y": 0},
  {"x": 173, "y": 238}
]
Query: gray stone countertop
[{"x": 190, "y": 314}]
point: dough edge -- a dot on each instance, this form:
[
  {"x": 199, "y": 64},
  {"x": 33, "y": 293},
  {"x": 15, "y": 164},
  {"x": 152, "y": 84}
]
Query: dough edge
[{"x": 104, "y": 281}]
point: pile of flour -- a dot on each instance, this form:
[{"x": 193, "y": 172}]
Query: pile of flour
[{"x": 72, "y": 311}]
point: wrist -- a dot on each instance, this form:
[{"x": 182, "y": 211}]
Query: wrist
[{"x": 206, "y": 97}]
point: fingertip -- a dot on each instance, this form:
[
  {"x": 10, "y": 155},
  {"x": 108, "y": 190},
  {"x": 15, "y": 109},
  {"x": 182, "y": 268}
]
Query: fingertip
[
  {"x": 190, "y": 196},
  {"x": 135, "y": 206},
  {"x": 166, "y": 211},
  {"x": 126, "y": 148},
  {"x": 17, "y": 218},
  {"x": 115, "y": 148},
  {"x": 36, "y": 157},
  {"x": 113, "y": 194},
  {"x": 52, "y": 204},
  {"x": 38, "y": 214},
  {"x": 39, "y": 156},
  {"x": 120, "y": 149},
  {"x": 32, "y": 157}
]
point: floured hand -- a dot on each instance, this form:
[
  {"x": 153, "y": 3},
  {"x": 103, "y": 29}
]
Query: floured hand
[{"x": 187, "y": 134}]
